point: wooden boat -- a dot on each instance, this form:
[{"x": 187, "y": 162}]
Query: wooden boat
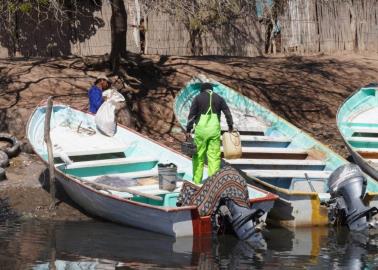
[
  {"x": 277, "y": 156},
  {"x": 357, "y": 121},
  {"x": 83, "y": 155}
]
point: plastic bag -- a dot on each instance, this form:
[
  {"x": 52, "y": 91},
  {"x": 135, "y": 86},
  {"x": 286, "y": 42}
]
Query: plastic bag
[{"x": 105, "y": 116}]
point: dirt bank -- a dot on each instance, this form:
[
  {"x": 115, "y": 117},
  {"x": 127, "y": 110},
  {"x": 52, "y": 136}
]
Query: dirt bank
[
  {"x": 26, "y": 192},
  {"x": 304, "y": 90}
]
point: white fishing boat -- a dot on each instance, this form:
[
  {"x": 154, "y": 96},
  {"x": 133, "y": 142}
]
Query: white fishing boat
[
  {"x": 357, "y": 121},
  {"x": 278, "y": 157},
  {"x": 115, "y": 178}
]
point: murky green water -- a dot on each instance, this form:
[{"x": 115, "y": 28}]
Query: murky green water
[{"x": 99, "y": 245}]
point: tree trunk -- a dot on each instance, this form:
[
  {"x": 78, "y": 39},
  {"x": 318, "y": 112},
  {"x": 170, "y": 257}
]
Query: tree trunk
[
  {"x": 195, "y": 39},
  {"x": 118, "y": 24}
]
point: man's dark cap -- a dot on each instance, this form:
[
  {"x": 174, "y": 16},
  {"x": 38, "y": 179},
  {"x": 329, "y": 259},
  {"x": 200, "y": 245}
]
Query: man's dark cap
[{"x": 206, "y": 86}]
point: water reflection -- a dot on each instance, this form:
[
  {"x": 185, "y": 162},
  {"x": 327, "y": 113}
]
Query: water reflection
[{"x": 97, "y": 245}]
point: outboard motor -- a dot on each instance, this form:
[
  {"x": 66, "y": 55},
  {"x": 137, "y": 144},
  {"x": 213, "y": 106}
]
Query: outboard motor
[
  {"x": 245, "y": 222},
  {"x": 347, "y": 186}
]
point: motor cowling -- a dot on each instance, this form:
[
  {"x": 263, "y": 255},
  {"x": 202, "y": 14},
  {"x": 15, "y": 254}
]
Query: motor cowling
[
  {"x": 245, "y": 222},
  {"x": 347, "y": 185}
]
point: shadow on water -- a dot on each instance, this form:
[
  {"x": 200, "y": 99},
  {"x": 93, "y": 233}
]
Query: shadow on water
[{"x": 100, "y": 245}]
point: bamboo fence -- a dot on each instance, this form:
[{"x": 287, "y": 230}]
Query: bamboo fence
[{"x": 306, "y": 26}]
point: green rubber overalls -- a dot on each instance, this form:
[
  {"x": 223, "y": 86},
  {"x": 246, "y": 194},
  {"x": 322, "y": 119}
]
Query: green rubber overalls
[{"x": 207, "y": 139}]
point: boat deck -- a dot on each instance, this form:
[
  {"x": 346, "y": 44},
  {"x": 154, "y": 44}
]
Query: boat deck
[
  {"x": 272, "y": 158},
  {"x": 70, "y": 142},
  {"x": 364, "y": 133},
  {"x": 128, "y": 167}
]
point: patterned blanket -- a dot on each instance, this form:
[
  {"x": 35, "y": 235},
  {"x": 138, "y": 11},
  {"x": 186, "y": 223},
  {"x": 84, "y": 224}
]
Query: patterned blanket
[{"x": 227, "y": 183}]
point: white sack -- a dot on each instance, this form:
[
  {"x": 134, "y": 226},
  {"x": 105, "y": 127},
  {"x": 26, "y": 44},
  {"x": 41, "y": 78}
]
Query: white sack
[{"x": 105, "y": 116}]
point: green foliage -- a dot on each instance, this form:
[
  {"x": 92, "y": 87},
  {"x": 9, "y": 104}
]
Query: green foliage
[
  {"x": 25, "y": 7},
  {"x": 13, "y": 6},
  {"x": 43, "y": 2},
  {"x": 200, "y": 15}
]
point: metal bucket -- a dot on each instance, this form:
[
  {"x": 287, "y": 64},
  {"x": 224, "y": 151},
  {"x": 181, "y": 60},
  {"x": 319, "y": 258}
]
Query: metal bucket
[
  {"x": 167, "y": 176},
  {"x": 189, "y": 148}
]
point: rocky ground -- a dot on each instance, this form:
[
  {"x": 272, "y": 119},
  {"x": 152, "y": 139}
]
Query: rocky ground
[{"x": 306, "y": 91}]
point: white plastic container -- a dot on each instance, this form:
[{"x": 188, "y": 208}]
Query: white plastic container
[{"x": 232, "y": 148}]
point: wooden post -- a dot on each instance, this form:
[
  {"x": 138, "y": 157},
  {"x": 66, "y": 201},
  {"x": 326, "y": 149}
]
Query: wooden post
[{"x": 50, "y": 152}]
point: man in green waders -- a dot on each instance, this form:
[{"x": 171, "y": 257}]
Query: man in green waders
[{"x": 205, "y": 113}]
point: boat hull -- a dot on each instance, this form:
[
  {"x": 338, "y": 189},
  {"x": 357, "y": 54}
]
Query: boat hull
[
  {"x": 176, "y": 222},
  {"x": 275, "y": 147},
  {"x": 295, "y": 209},
  {"x": 167, "y": 220}
]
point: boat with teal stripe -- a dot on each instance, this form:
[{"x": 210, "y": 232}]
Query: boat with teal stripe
[
  {"x": 277, "y": 156},
  {"x": 116, "y": 178},
  {"x": 357, "y": 121}
]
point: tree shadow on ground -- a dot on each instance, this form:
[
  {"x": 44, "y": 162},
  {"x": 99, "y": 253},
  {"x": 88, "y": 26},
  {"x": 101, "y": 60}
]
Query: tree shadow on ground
[
  {"x": 306, "y": 91},
  {"x": 30, "y": 39}
]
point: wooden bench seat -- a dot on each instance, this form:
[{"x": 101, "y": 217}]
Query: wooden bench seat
[
  {"x": 273, "y": 153},
  {"x": 88, "y": 152},
  {"x": 363, "y": 139},
  {"x": 264, "y": 139},
  {"x": 287, "y": 174},
  {"x": 365, "y": 129},
  {"x": 274, "y": 150},
  {"x": 299, "y": 162}
]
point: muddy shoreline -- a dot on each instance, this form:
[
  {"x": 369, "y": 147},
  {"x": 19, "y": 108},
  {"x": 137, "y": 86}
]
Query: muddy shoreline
[{"x": 306, "y": 91}]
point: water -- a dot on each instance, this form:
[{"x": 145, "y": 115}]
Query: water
[{"x": 100, "y": 245}]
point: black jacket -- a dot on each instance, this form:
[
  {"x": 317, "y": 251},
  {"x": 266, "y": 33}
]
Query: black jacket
[{"x": 200, "y": 106}]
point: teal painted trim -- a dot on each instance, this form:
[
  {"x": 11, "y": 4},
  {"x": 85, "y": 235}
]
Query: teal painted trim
[
  {"x": 349, "y": 124},
  {"x": 363, "y": 144},
  {"x": 169, "y": 200},
  {"x": 112, "y": 169}
]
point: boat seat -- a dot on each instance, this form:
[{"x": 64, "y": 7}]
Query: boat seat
[
  {"x": 287, "y": 174},
  {"x": 108, "y": 162},
  {"x": 365, "y": 129},
  {"x": 264, "y": 139},
  {"x": 244, "y": 128},
  {"x": 273, "y": 153},
  {"x": 88, "y": 152},
  {"x": 363, "y": 139},
  {"x": 278, "y": 164},
  {"x": 367, "y": 150},
  {"x": 273, "y": 150},
  {"x": 299, "y": 162}
]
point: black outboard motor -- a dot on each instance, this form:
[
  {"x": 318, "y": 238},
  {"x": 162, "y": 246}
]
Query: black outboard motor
[
  {"x": 347, "y": 185},
  {"x": 245, "y": 222}
]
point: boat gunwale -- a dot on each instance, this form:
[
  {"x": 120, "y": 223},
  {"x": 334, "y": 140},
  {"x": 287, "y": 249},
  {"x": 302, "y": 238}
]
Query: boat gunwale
[
  {"x": 285, "y": 191},
  {"x": 268, "y": 195}
]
